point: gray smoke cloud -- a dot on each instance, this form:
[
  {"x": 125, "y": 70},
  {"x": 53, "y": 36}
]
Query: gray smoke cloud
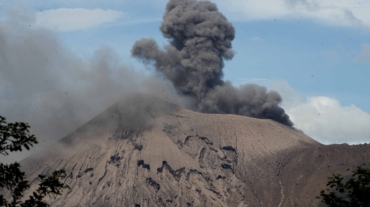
[
  {"x": 200, "y": 40},
  {"x": 45, "y": 84}
]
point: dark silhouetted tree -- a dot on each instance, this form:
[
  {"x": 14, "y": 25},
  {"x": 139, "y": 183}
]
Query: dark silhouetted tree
[
  {"x": 14, "y": 136},
  {"x": 352, "y": 191}
]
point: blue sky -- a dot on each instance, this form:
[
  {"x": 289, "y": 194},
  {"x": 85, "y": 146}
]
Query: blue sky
[{"x": 315, "y": 53}]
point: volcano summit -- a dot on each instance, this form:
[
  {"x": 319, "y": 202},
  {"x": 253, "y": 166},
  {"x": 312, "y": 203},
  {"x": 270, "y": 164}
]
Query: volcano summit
[{"x": 143, "y": 151}]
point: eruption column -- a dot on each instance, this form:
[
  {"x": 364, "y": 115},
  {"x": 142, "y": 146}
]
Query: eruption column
[{"x": 200, "y": 40}]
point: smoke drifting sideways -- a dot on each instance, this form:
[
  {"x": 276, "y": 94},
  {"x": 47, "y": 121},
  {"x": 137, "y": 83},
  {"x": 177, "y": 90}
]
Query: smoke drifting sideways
[
  {"x": 45, "y": 84},
  {"x": 200, "y": 40}
]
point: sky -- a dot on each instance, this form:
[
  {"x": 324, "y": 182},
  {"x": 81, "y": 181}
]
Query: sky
[{"x": 315, "y": 53}]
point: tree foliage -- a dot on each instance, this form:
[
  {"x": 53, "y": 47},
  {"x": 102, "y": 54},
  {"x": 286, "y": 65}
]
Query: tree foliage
[
  {"x": 14, "y": 136},
  {"x": 353, "y": 191}
]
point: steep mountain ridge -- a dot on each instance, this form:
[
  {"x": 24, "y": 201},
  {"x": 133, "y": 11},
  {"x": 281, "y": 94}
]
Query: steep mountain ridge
[{"x": 143, "y": 151}]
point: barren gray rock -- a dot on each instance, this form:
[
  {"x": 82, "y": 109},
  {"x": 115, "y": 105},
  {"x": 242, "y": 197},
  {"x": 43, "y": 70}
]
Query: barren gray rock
[{"x": 147, "y": 152}]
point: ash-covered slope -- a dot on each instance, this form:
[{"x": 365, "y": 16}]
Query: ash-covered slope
[{"x": 146, "y": 152}]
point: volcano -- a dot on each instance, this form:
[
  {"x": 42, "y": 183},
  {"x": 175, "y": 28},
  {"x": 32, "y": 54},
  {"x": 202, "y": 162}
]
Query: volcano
[{"x": 144, "y": 151}]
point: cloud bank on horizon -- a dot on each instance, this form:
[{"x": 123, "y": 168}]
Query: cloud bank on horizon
[{"x": 324, "y": 118}]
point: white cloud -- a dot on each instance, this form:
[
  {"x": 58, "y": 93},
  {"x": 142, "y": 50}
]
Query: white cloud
[
  {"x": 333, "y": 12},
  {"x": 259, "y": 81},
  {"x": 325, "y": 118},
  {"x": 65, "y": 19},
  {"x": 365, "y": 53},
  {"x": 255, "y": 38}
]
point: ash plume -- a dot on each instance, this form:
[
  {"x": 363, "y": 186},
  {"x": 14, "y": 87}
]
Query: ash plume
[
  {"x": 45, "y": 84},
  {"x": 200, "y": 40}
]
